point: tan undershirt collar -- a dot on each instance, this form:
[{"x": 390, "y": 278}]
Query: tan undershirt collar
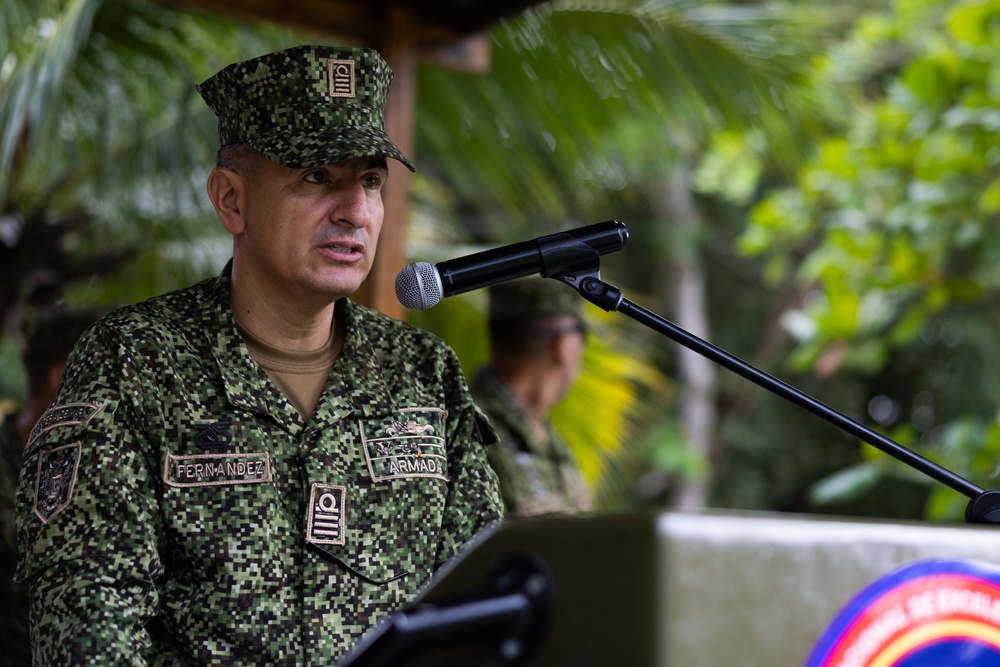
[{"x": 301, "y": 376}]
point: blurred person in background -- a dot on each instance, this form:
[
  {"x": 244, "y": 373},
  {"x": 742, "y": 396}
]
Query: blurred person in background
[
  {"x": 537, "y": 337},
  {"x": 49, "y": 336}
]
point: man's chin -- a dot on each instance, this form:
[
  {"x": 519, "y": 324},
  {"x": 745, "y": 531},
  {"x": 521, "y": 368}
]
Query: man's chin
[{"x": 337, "y": 289}]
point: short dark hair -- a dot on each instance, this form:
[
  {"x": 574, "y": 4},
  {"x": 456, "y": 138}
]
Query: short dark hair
[
  {"x": 524, "y": 337},
  {"x": 240, "y": 157}
]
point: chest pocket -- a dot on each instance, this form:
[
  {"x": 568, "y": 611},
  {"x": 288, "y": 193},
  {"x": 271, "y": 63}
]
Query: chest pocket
[{"x": 387, "y": 522}]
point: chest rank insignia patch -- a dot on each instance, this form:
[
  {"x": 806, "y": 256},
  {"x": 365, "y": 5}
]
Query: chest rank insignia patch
[
  {"x": 340, "y": 76},
  {"x": 326, "y": 514},
  {"x": 407, "y": 447},
  {"x": 55, "y": 480}
]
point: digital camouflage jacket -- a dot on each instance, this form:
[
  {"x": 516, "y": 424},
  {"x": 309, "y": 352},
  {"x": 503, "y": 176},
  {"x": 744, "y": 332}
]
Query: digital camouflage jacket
[
  {"x": 174, "y": 508},
  {"x": 14, "y": 619},
  {"x": 537, "y": 475}
]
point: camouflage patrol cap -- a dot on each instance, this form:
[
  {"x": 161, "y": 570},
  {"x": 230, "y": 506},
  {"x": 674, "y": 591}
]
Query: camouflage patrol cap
[
  {"x": 53, "y": 331},
  {"x": 50, "y": 335},
  {"x": 305, "y": 106},
  {"x": 530, "y": 298}
]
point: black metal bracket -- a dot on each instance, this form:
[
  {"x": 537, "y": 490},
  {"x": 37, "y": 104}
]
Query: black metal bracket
[{"x": 512, "y": 616}]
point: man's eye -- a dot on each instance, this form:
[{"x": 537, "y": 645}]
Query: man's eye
[
  {"x": 317, "y": 177},
  {"x": 372, "y": 181}
]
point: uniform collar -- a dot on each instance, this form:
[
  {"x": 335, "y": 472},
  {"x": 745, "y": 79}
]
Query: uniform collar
[
  {"x": 356, "y": 383},
  {"x": 247, "y": 385},
  {"x": 360, "y": 376}
]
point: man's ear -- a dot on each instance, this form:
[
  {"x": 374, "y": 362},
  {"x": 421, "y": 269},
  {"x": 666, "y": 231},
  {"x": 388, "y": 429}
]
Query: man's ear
[
  {"x": 226, "y": 189},
  {"x": 561, "y": 348}
]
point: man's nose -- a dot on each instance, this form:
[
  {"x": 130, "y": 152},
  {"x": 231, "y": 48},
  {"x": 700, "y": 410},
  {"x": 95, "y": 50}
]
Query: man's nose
[{"x": 355, "y": 205}]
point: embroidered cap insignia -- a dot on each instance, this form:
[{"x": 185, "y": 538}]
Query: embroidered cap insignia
[{"x": 340, "y": 77}]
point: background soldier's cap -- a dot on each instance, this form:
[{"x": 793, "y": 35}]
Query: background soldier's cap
[
  {"x": 51, "y": 333},
  {"x": 305, "y": 106},
  {"x": 529, "y": 298}
]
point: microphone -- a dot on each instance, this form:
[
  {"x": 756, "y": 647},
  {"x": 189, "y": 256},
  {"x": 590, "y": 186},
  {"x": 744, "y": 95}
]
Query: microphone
[{"x": 421, "y": 285}]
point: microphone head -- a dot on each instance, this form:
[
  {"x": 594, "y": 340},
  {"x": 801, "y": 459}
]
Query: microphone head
[{"x": 418, "y": 286}]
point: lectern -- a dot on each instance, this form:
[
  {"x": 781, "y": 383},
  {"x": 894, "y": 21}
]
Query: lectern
[{"x": 707, "y": 589}]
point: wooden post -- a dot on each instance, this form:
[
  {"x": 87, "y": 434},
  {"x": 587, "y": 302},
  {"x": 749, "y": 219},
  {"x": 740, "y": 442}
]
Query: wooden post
[{"x": 398, "y": 45}]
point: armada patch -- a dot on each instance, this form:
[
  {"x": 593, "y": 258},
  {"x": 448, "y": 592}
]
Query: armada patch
[
  {"x": 216, "y": 469},
  {"x": 55, "y": 480},
  {"x": 71, "y": 414},
  {"x": 408, "y": 445},
  {"x": 340, "y": 74},
  {"x": 326, "y": 514}
]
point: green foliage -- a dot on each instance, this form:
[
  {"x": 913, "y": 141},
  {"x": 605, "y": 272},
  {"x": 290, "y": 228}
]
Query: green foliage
[
  {"x": 104, "y": 147},
  {"x": 890, "y": 231},
  {"x": 461, "y": 322},
  {"x": 584, "y": 99},
  {"x": 13, "y": 383},
  {"x": 897, "y": 214},
  {"x": 731, "y": 167}
]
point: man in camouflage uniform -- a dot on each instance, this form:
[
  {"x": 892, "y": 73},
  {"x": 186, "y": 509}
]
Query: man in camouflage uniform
[
  {"x": 14, "y": 620},
  {"x": 49, "y": 337},
  {"x": 537, "y": 338},
  {"x": 255, "y": 469}
]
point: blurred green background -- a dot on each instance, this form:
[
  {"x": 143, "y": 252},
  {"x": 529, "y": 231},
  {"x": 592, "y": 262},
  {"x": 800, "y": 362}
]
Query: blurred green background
[{"x": 812, "y": 188}]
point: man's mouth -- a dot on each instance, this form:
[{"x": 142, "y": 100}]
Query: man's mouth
[{"x": 343, "y": 249}]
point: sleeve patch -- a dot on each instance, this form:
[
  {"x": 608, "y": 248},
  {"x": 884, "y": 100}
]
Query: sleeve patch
[
  {"x": 71, "y": 414},
  {"x": 55, "y": 480}
]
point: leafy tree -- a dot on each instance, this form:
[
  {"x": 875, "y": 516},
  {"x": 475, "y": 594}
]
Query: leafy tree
[
  {"x": 891, "y": 233},
  {"x": 103, "y": 140},
  {"x": 592, "y": 110}
]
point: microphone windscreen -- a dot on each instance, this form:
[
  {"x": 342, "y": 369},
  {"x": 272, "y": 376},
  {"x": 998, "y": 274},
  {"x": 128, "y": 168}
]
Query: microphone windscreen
[{"x": 418, "y": 286}]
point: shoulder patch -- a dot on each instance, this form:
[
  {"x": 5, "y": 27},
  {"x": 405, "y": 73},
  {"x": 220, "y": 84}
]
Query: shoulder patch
[
  {"x": 55, "y": 480},
  {"x": 71, "y": 414},
  {"x": 482, "y": 430}
]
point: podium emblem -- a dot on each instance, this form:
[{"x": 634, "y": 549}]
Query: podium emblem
[{"x": 927, "y": 614}]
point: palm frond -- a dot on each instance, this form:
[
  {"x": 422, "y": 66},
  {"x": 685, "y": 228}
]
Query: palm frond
[
  {"x": 30, "y": 97},
  {"x": 567, "y": 76}
]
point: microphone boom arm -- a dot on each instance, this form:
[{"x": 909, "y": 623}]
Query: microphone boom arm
[{"x": 984, "y": 506}]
